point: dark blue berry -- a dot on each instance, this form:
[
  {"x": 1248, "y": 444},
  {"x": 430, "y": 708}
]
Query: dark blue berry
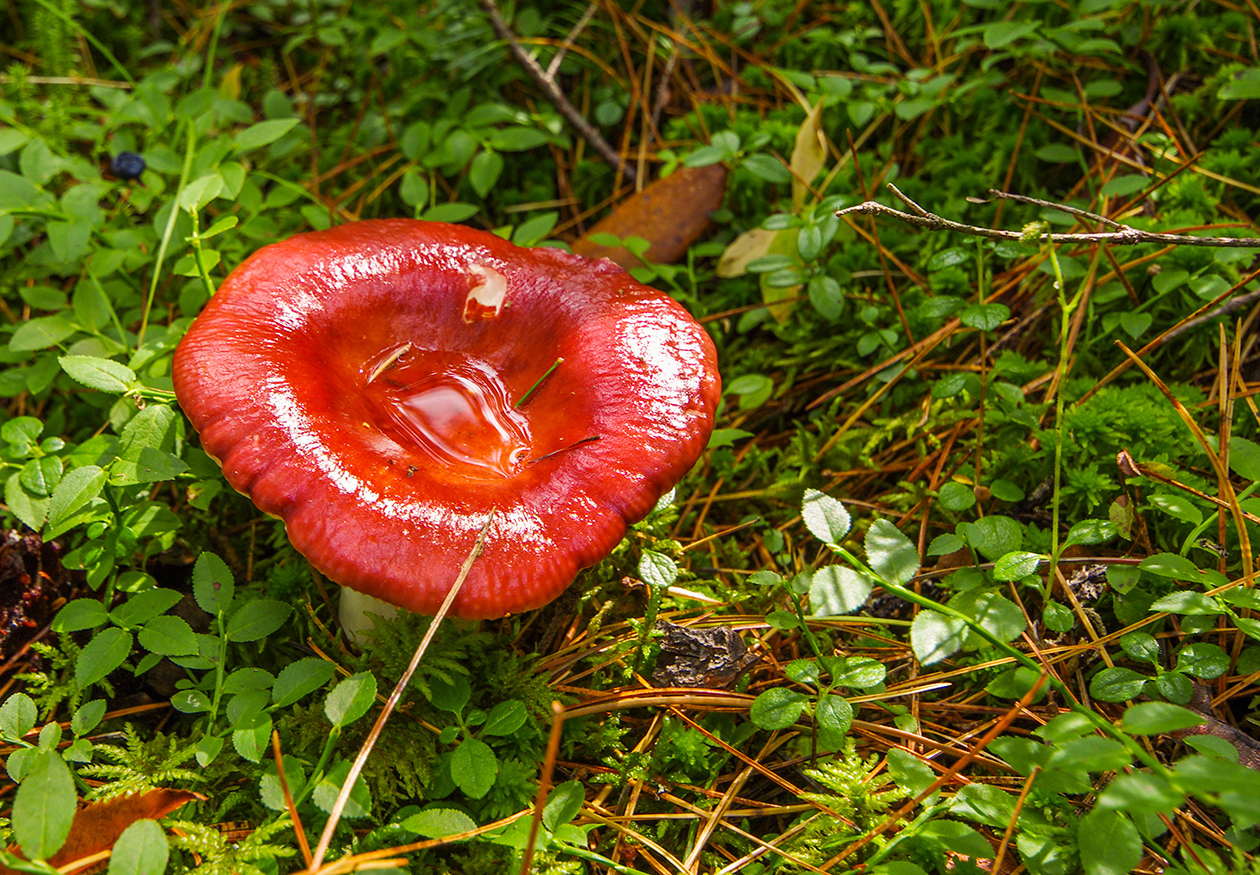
[{"x": 127, "y": 165}]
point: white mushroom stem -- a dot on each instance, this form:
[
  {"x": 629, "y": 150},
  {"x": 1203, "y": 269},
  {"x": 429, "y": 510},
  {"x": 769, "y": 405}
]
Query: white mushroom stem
[{"x": 358, "y": 613}]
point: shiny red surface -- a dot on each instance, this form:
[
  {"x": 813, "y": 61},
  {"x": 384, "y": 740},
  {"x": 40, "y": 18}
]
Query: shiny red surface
[{"x": 360, "y": 383}]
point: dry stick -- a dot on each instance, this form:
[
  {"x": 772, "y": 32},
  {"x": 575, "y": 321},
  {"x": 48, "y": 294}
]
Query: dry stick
[
  {"x": 553, "y": 92},
  {"x": 544, "y": 783},
  {"x": 335, "y": 815},
  {"x": 1123, "y": 235}
]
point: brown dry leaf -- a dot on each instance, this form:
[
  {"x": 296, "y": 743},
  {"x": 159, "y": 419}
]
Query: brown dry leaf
[
  {"x": 671, "y": 214},
  {"x": 98, "y": 825}
]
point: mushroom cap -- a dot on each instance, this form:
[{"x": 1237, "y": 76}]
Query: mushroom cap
[{"x": 363, "y": 384}]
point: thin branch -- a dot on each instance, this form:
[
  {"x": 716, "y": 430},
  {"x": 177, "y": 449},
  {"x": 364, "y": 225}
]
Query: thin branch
[
  {"x": 1123, "y": 235},
  {"x": 553, "y": 92}
]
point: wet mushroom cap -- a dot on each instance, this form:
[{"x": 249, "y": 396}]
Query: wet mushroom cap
[{"x": 370, "y": 385}]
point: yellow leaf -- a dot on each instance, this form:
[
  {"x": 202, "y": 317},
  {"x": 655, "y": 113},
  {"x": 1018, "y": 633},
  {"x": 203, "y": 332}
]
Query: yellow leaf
[{"x": 809, "y": 155}]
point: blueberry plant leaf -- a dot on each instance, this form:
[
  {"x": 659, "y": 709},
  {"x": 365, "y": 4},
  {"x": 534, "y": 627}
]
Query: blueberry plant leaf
[
  {"x": 1109, "y": 843},
  {"x": 474, "y": 767},
  {"x": 836, "y": 590},
  {"x": 826, "y": 518},
  {"x": 439, "y": 822},
  {"x": 140, "y": 850},
  {"x": 778, "y": 708},
  {"x": 935, "y": 636},
  {"x": 350, "y": 699},
  {"x": 892, "y": 555},
  {"x": 213, "y": 586},
  {"x": 43, "y": 809}
]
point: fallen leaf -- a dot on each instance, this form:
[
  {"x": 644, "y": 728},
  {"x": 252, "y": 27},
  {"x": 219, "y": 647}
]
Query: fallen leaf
[
  {"x": 808, "y": 155},
  {"x": 671, "y": 214},
  {"x": 98, "y": 825},
  {"x": 745, "y": 248}
]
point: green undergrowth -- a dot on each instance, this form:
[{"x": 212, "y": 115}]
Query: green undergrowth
[{"x": 997, "y": 594}]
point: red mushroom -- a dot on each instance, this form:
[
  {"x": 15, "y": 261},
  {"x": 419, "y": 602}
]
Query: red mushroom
[{"x": 377, "y": 387}]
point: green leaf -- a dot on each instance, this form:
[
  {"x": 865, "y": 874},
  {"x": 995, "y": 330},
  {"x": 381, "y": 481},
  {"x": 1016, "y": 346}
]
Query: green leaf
[
  {"x": 80, "y": 614},
  {"x": 484, "y": 172},
  {"x": 996, "y": 614},
  {"x": 935, "y": 636},
  {"x": 1142, "y": 793},
  {"x": 1188, "y": 603},
  {"x": 144, "y": 606},
  {"x": 891, "y": 554},
  {"x": 517, "y": 139},
  {"x": 1153, "y": 718},
  {"x": 833, "y": 714},
  {"x": 168, "y": 636},
  {"x": 1090, "y": 753},
  {"x": 999, "y": 34},
  {"x": 1016, "y": 565},
  {"x": 505, "y": 718},
  {"x": 1170, "y": 565},
  {"x": 1091, "y": 531},
  {"x": 264, "y": 133},
  {"x": 17, "y": 716},
  {"x": 957, "y": 838},
  {"x": 563, "y": 804},
  {"x": 767, "y": 168},
  {"x": 859, "y": 672},
  {"x": 474, "y": 767},
  {"x": 826, "y": 518},
  {"x": 41, "y": 476},
  {"x": 985, "y": 317},
  {"x": 299, "y": 679},
  {"x": 251, "y": 737},
  {"x": 105, "y": 652},
  {"x": 836, "y": 590},
  {"x": 359, "y": 803},
  {"x": 213, "y": 586},
  {"x": 41, "y": 333},
  {"x": 1109, "y": 843},
  {"x": 29, "y": 509},
  {"x": 257, "y": 619},
  {"x": 956, "y": 497},
  {"x": 1203, "y": 660},
  {"x": 269, "y": 789},
  {"x": 439, "y": 822},
  {"x": 98, "y": 373},
  {"x": 449, "y": 695},
  {"x": 87, "y": 716},
  {"x": 43, "y": 809},
  {"x": 1245, "y": 85},
  {"x": 945, "y": 544},
  {"x": 993, "y": 536},
  {"x": 1117, "y": 684},
  {"x": 777, "y": 708},
  {"x": 350, "y": 699},
  {"x": 948, "y": 258},
  {"x": 910, "y": 773},
  {"x": 657, "y": 569},
  {"x": 140, "y": 850}
]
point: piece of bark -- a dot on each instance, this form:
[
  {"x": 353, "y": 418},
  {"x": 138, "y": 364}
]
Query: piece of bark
[{"x": 671, "y": 214}]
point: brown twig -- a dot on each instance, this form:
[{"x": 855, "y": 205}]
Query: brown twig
[
  {"x": 548, "y": 84},
  {"x": 1122, "y": 235}
]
